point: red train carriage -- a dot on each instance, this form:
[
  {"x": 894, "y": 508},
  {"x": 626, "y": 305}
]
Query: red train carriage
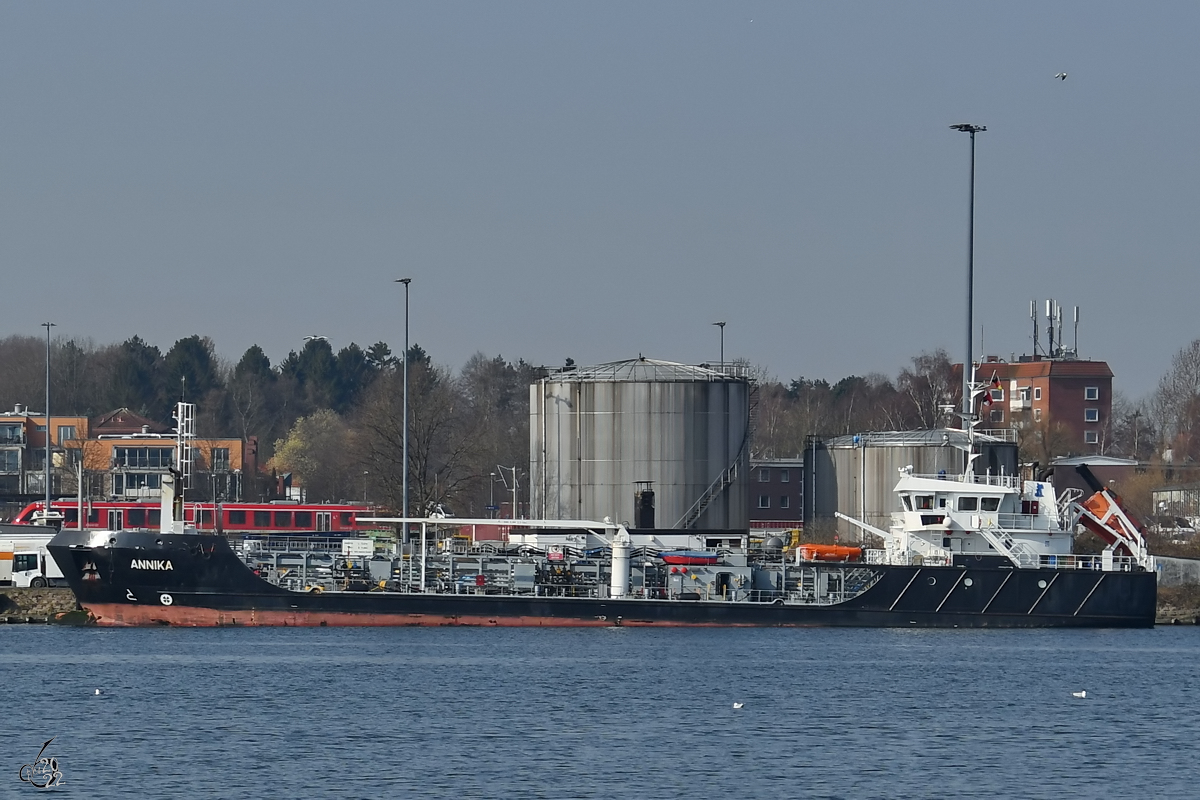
[{"x": 229, "y": 518}]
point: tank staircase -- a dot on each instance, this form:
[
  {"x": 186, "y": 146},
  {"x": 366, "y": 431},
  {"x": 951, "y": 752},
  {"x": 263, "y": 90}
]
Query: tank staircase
[
  {"x": 729, "y": 475},
  {"x": 859, "y": 579},
  {"x": 1022, "y": 554},
  {"x": 840, "y": 583}
]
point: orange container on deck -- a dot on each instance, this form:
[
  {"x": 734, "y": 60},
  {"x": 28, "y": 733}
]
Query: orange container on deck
[{"x": 829, "y": 552}]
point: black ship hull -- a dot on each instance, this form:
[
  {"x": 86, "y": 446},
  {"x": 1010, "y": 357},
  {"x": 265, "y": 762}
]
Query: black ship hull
[{"x": 144, "y": 578}]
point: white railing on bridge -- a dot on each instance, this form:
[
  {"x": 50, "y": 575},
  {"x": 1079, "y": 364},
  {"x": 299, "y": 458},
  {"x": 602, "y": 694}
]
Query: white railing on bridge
[{"x": 1002, "y": 481}]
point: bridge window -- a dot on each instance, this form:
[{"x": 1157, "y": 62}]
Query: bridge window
[
  {"x": 924, "y": 501},
  {"x": 989, "y": 503},
  {"x": 968, "y": 503},
  {"x": 906, "y": 501}
]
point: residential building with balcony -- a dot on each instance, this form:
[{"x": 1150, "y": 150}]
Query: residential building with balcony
[{"x": 123, "y": 456}]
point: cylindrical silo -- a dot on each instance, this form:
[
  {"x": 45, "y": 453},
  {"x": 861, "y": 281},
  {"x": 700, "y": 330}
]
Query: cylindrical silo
[
  {"x": 597, "y": 432},
  {"x": 857, "y": 474}
]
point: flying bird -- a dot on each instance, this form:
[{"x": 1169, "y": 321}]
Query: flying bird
[{"x": 1062, "y": 76}]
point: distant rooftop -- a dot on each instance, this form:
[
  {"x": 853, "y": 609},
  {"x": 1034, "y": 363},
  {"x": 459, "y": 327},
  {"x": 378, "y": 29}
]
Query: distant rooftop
[
  {"x": 949, "y": 437},
  {"x": 1094, "y": 461},
  {"x": 649, "y": 370}
]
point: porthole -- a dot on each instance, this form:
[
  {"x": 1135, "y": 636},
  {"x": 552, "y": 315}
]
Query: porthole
[
  {"x": 932, "y": 580},
  {"x": 967, "y": 582},
  {"x": 1041, "y": 584}
]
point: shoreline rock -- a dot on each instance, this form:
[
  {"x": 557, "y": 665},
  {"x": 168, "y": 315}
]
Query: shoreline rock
[{"x": 19, "y": 606}]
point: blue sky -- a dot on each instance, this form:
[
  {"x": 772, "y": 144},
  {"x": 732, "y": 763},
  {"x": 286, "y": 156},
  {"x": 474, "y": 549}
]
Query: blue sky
[{"x": 601, "y": 180}]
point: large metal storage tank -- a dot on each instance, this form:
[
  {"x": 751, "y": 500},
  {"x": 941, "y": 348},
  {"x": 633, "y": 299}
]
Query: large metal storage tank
[
  {"x": 856, "y": 474},
  {"x": 597, "y": 431}
]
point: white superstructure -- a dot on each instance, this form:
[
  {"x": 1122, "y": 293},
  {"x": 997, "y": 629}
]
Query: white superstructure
[{"x": 943, "y": 519}]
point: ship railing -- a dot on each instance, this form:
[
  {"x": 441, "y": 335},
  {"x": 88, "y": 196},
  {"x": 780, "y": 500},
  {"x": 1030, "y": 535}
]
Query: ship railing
[
  {"x": 872, "y": 556},
  {"x": 275, "y": 544},
  {"x": 910, "y": 558},
  {"x": 1089, "y": 562},
  {"x": 1024, "y": 522},
  {"x": 1001, "y": 481}
]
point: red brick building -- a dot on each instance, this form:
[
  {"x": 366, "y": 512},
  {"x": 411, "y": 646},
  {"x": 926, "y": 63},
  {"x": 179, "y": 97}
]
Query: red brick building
[{"x": 1073, "y": 396}]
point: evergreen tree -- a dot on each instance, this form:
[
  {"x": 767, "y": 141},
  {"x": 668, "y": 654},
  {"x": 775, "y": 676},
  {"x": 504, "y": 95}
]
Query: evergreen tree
[{"x": 137, "y": 380}]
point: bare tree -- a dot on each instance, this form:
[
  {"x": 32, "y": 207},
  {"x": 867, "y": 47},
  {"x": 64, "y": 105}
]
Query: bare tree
[
  {"x": 440, "y": 441},
  {"x": 1175, "y": 405},
  {"x": 930, "y": 385}
]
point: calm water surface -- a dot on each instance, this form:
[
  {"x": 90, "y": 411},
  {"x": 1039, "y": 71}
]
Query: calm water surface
[{"x": 609, "y": 713}]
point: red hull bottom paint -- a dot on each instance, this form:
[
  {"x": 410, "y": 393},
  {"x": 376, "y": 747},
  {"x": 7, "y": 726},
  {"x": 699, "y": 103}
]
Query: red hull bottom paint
[{"x": 119, "y": 615}]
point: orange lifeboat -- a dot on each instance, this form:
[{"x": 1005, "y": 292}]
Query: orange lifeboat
[{"x": 829, "y": 552}]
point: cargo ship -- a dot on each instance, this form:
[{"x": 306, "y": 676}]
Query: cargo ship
[{"x": 967, "y": 551}]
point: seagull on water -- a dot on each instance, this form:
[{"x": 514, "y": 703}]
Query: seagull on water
[
  {"x": 97, "y": 691},
  {"x": 1062, "y": 76},
  {"x": 1081, "y": 695},
  {"x": 738, "y": 705}
]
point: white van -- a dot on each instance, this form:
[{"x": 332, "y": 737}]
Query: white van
[{"x": 26, "y": 562}]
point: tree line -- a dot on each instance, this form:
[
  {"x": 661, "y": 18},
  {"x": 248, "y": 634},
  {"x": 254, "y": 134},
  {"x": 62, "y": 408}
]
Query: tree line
[{"x": 334, "y": 418}]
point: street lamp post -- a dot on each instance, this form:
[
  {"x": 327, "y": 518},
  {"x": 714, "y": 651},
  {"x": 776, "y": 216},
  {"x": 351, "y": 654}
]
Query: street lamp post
[
  {"x": 46, "y": 516},
  {"x": 404, "y": 483},
  {"x": 721, "y": 325},
  {"x": 967, "y": 369}
]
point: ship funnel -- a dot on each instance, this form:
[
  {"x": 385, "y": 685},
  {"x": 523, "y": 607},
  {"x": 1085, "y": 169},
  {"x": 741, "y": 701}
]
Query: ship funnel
[{"x": 643, "y": 504}]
